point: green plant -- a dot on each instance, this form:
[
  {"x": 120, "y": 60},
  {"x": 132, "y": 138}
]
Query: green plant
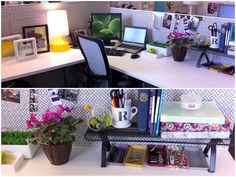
[
  {"x": 15, "y": 137},
  {"x": 158, "y": 44},
  {"x": 53, "y": 128}
]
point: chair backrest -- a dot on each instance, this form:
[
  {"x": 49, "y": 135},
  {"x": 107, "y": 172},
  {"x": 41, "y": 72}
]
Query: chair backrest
[{"x": 94, "y": 53}]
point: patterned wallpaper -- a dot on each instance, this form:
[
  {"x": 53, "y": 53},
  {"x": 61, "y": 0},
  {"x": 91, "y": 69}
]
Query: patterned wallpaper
[{"x": 14, "y": 115}]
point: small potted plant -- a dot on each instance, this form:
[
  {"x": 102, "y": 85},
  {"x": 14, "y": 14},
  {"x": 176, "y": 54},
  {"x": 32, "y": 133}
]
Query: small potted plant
[
  {"x": 55, "y": 133},
  {"x": 179, "y": 43}
]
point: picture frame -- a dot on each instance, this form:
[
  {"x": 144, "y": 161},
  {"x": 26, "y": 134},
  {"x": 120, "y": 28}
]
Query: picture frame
[
  {"x": 74, "y": 36},
  {"x": 40, "y": 32},
  {"x": 25, "y": 48},
  {"x": 8, "y": 45}
]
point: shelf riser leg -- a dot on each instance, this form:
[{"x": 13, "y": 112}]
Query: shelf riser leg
[
  {"x": 212, "y": 159},
  {"x": 104, "y": 151}
]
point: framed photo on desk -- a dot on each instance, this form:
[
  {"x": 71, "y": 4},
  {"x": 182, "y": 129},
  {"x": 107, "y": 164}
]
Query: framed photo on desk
[{"x": 40, "y": 32}]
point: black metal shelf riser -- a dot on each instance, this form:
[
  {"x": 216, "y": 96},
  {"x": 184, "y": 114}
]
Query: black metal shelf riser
[{"x": 108, "y": 135}]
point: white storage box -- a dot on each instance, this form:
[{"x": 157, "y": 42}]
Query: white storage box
[
  {"x": 164, "y": 51},
  {"x": 27, "y": 150}
]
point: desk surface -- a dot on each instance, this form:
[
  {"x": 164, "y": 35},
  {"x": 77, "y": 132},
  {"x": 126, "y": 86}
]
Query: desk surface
[
  {"x": 12, "y": 69},
  {"x": 163, "y": 72},
  {"x": 85, "y": 161}
]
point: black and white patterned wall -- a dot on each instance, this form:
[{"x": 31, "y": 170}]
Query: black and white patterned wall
[{"x": 14, "y": 115}]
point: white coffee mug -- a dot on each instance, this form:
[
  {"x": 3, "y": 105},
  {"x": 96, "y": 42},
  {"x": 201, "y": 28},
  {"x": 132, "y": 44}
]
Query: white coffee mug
[
  {"x": 215, "y": 42},
  {"x": 122, "y": 116}
]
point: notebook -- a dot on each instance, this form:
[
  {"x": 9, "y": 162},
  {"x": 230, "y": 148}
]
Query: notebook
[{"x": 134, "y": 39}]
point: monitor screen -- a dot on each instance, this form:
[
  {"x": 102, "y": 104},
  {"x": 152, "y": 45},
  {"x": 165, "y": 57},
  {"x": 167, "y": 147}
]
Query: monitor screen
[
  {"x": 226, "y": 11},
  {"x": 106, "y": 26},
  {"x": 135, "y": 35}
]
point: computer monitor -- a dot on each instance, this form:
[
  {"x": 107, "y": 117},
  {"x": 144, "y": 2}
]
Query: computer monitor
[
  {"x": 135, "y": 35},
  {"x": 226, "y": 11},
  {"x": 106, "y": 26}
]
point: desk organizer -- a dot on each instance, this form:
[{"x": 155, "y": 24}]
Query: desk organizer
[
  {"x": 156, "y": 155},
  {"x": 117, "y": 154},
  {"x": 135, "y": 156}
]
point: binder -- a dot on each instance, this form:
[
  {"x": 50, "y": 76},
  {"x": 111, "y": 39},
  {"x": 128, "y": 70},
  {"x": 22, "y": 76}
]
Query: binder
[
  {"x": 152, "y": 110},
  {"x": 227, "y": 34},
  {"x": 159, "y": 112},
  {"x": 222, "y": 36},
  {"x": 158, "y": 94},
  {"x": 143, "y": 107}
]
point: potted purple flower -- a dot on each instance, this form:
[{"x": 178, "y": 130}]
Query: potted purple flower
[
  {"x": 179, "y": 43},
  {"x": 55, "y": 133}
]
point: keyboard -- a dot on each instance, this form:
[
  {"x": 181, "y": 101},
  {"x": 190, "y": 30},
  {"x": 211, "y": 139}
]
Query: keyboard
[
  {"x": 130, "y": 48},
  {"x": 114, "y": 52}
]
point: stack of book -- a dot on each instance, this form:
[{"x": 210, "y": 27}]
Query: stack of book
[
  {"x": 227, "y": 38},
  {"x": 207, "y": 122},
  {"x": 150, "y": 107}
]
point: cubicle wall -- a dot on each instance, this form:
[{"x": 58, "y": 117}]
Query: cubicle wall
[
  {"x": 15, "y": 17},
  {"x": 153, "y": 21},
  {"x": 14, "y": 115}
]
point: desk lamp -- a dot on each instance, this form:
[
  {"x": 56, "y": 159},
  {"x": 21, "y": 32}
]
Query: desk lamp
[
  {"x": 58, "y": 27},
  {"x": 190, "y": 5}
]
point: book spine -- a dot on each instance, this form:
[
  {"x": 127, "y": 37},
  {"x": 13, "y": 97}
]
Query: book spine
[
  {"x": 159, "y": 112},
  {"x": 222, "y": 37},
  {"x": 143, "y": 107},
  {"x": 153, "y": 112},
  {"x": 149, "y": 112},
  {"x": 227, "y": 38},
  {"x": 158, "y": 92}
]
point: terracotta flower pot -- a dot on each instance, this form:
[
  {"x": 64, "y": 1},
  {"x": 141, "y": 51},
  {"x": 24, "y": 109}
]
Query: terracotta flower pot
[
  {"x": 179, "y": 53},
  {"x": 58, "y": 154}
]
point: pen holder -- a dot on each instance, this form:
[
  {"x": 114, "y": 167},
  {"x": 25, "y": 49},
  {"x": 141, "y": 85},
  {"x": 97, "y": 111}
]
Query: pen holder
[
  {"x": 122, "y": 116},
  {"x": 214, "y": 42}
]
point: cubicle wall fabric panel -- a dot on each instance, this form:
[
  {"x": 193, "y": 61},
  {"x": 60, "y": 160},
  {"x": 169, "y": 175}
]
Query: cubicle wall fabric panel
[
  {"x": 15, "y": 17},
  {"x": 14, "y": 115},
  {"x": 153, "y": 21}
]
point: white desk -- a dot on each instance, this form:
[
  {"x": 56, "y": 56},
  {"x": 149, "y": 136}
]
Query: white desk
[
  {"x": 163, "y": 72},
  {"x": 12, "y": 69},
  {"x": 85, "y": 161}
]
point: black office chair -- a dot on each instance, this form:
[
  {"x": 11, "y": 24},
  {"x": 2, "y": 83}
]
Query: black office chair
[{"x": 98, "y": 71}]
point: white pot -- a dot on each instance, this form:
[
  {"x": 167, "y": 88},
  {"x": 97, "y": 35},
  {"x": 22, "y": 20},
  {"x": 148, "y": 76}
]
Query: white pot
[{"x": 28, "y": 150}]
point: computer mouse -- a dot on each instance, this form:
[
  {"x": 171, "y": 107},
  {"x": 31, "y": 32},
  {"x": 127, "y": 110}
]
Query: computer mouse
[{"x": 134, "y": 56}]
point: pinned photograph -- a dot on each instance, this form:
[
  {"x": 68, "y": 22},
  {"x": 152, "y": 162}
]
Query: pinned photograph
[
  {"x": 70, "y": 95},
  {"x": 33, "y": 98},
  {"x": 167, "y": 21},
  {"x": 193, "y": 23},
  {"x": 212, "y": 8},
  {"x": 33, "y": 91},
  {"x": 53, "y": 94},
  {"x": 33, "y": 107},
  {"x": 11, "y": 95}
]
